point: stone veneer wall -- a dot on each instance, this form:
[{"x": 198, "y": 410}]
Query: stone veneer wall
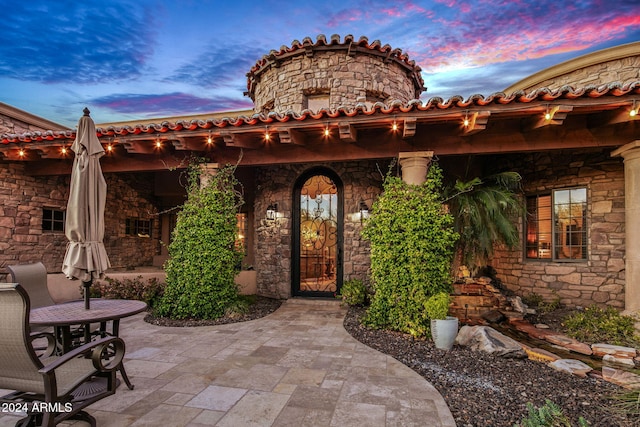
[
  {"x": 600, "y": 279},
  {"x": 24, "y": 196},
  {"x": 11, "y": 125},
  {"x": 273, "y": 243},
  {"x": 347, "y": 79},
  {"x": 625, "y": 70}
]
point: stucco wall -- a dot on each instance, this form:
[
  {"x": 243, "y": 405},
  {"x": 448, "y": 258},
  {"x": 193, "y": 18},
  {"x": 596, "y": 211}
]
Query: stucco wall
[
  {"x": 599, "y": 280},
  {"x": 273, "y": 243},
  {"x": 24, "y": 196}
]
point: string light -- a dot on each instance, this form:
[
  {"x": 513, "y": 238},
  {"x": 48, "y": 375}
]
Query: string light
[{"x": 395, "y": 125}]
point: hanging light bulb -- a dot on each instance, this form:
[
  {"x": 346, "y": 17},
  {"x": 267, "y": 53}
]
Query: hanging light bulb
[
  {"x": 63, "y": 150},
  {"x": 209, "y": 139},
  {"x": 466, "y": 119},
  {"x": 547, "y": 114},
  {"x": 21, "y": 152},
  {"x": 395, "y": 126},
  {"x": 109, "y": 147},
  {"x": 267, "y": 137},
  {"x": 634, "y": 110},
  {"x": 327, "y": 132},
  {"x": 158, "y": 143}
]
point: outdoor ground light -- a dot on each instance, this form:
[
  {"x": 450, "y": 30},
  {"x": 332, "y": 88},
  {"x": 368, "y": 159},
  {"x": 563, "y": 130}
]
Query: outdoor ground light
[{"x": 272, "y": 212}]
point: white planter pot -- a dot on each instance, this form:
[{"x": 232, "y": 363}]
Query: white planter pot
[{"x": 444, "y": 332}]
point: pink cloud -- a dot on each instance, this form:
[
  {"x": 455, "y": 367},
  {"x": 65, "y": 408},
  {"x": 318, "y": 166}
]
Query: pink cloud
[{"x": 472, "y": 44}]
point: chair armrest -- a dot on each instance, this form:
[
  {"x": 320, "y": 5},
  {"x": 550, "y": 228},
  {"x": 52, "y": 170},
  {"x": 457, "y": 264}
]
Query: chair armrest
[
  {"x": 52, "y": 343},
  {"x": 97, "y": 349}
]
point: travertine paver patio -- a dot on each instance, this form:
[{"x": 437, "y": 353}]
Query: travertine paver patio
[{"x": 295, "y": 367}]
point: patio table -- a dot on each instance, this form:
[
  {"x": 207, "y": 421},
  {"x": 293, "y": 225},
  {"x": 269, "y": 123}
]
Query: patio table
[{"x": 63, "y": 316}]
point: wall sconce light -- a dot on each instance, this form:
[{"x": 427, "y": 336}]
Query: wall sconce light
[
  {"x": 364, "y": 210},
  {"x": 272, "y": 212}
]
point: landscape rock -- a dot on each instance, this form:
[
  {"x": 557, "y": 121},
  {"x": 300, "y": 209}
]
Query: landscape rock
[
  {"x": 487, "y": 339},
  {"x": 612, "y": 359},
  {"x": 618, "y": 351},
  {"x": 624, "y": 379},
  {"x": 571, "y": 366},
  {"x": 493, "y": 316},
  {"x": 569, "y": 343}
]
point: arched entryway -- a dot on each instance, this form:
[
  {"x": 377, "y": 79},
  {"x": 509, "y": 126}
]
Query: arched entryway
[{"x": 318, "y": 213}]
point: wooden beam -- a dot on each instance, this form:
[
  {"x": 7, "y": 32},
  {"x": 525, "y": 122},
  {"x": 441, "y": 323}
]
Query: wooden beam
[
  {"x": 409, "y": 128},
  {"x": 347, "y": 132},
  {"x": 554, "y": 115},
  {"x": 291, "y": 136},
  {"x": 475, "y": 122},
  {"x": 240, "y": 140},
  {"x": 138, "y": 146}
]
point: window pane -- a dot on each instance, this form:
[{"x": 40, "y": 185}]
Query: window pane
[
  {"x": 570, "y": 224},
  {"x": 538, "y": 238}
]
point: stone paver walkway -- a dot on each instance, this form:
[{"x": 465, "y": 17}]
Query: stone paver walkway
[{"x": 295, "y": 367}]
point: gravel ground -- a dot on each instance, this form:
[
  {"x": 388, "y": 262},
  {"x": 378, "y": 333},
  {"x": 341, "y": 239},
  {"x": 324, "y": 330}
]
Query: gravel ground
[
  {"x": 484, "y": 390},
  {"x": 481, "y": 390}
]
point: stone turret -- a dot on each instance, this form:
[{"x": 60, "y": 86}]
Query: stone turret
[{"x": 332, "y": 74}]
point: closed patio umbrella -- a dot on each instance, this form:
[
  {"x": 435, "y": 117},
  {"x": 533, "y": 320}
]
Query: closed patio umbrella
[{"x": 86, "y": 257}]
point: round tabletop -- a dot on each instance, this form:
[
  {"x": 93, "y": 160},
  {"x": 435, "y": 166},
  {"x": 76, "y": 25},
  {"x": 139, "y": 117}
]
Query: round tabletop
[{"x": 74, "y": 313}]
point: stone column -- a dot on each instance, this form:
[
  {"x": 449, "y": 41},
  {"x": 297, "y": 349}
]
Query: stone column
[
  {"x": 631, "y": 155},
  {"x": 206, "y": 171},
  {"x": 414, "y": 166}
]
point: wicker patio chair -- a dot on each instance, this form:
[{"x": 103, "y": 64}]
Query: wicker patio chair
[{"x": 51, "y": 389}]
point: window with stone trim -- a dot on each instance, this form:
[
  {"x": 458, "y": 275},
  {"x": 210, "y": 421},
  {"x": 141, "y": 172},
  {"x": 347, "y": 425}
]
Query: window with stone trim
[
  {"x": 138, "y": 227},
  {"x": 53, "y": 220},
  {"x": 556, "y": 225}
]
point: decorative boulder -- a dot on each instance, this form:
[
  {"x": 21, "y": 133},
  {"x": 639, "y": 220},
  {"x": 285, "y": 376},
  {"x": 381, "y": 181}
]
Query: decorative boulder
[
  {"x": 487, "y": 339},
  {"x": 571, "y": 366}
]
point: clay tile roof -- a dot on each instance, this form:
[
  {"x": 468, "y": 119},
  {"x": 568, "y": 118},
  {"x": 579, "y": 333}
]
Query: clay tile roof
[{"x": 395, "y": 107}]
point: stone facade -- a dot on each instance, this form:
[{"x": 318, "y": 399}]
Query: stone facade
[
  {"x": 275, "y": 184},
  {"x": 601, "y": 278},
  {"x": 625, "y": 70},
  {"x": 24, "y": 196},
  {"x": 346, "y": 80}
]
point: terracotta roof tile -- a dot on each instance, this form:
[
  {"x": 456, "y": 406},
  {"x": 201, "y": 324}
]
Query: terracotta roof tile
[{"x": 396, "y": 107}]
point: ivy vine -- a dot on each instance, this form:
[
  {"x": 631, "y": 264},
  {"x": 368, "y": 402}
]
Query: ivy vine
[
  {"x": 412, "y": 241},
  {"x": 203, "y": 256}
]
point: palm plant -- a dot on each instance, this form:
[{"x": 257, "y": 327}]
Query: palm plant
[{"x": 485, "y": 212}]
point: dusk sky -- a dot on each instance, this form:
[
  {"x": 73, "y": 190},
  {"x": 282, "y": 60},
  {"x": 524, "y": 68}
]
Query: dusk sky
[{"x": 132, "y": 60}]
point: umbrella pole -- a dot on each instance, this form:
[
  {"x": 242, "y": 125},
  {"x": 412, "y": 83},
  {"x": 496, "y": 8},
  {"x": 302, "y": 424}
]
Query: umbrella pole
[{"x": 87, "y": 297}]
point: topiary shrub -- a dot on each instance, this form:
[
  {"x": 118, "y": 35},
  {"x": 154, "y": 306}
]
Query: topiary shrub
[
  {"x": 412, "y": 242},
  {"x": 203, "y": 256}
]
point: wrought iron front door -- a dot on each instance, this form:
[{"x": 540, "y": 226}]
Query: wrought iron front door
[{"x": 318, "y": 236}]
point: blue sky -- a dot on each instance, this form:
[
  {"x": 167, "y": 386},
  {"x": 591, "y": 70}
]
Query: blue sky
[{"x": 131, "y": 60}]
